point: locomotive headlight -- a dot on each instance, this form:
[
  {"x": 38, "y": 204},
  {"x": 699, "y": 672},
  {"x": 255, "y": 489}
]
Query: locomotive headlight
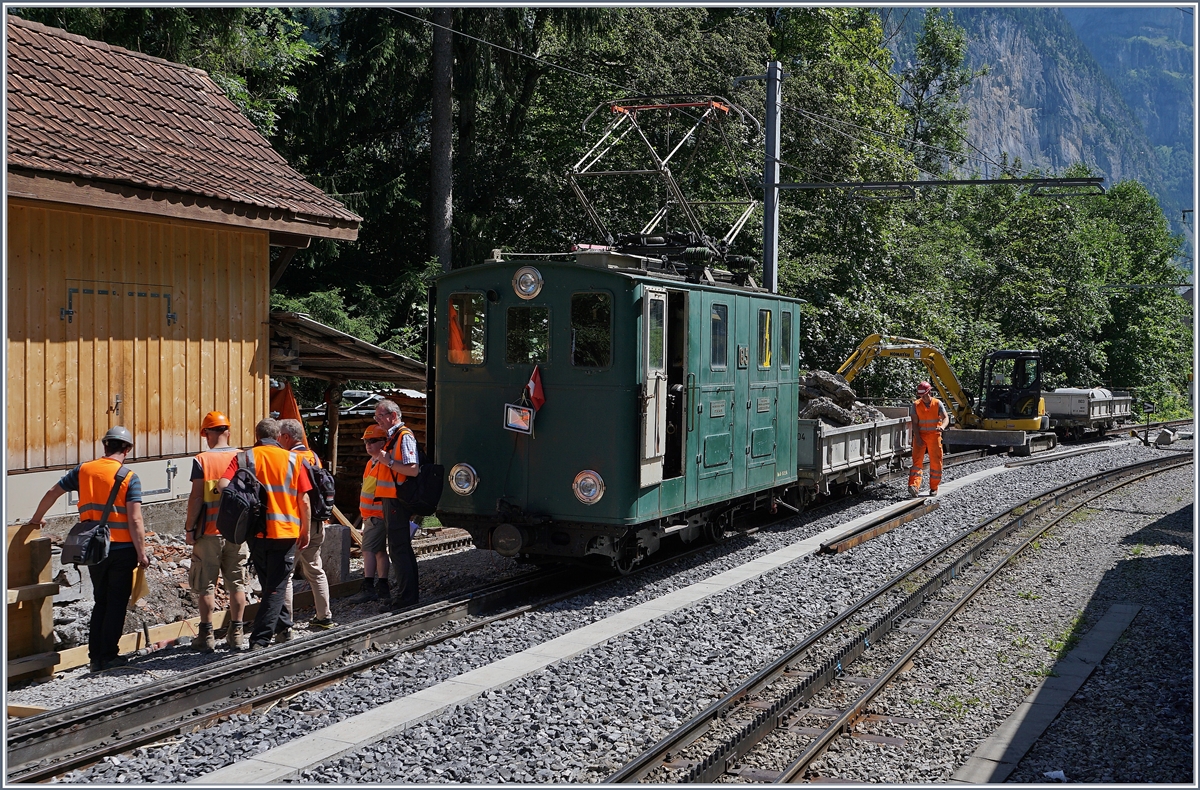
[
  {"x": 463, "y": 479},
  {"x": 588, "y": 487},
  {"x": 527, "y": 282}
]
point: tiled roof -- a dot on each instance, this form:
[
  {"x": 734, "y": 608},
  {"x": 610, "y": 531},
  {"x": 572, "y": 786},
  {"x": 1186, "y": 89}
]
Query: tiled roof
[{"x": 84, "y": 108}]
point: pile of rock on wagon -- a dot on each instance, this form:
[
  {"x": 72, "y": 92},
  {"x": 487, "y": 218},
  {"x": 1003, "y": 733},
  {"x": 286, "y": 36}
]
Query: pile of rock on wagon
[{"x": 827, "y": 396}]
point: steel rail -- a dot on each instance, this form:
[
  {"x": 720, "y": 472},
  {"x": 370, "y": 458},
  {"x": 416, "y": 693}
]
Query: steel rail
[
  {"x": 842, "y": 723},
  {"x": 92, "y": 723},
  {"x": 52, "y": 743},
  {"x": 721, "y": 759}
]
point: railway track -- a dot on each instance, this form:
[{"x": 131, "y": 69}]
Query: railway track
[
  {"x": 51, "y": 743},
  {"x": 722, "y": 739},
  {"x": 47, "y": 745}
]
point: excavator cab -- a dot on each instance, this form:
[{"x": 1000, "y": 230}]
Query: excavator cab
[{"x": 1010, "y": 386}]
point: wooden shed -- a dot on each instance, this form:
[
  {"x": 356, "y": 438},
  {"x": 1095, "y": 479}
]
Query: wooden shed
[{"x": 142, "y": 209}]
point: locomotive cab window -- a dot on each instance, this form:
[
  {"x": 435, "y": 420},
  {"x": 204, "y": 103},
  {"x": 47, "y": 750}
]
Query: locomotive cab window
[
  {"x": 764, "y": 339},
  {"x": 468, "y": 322},
  {"x": 527, "y": 335},
  {"x": 591, "y": 329},
  {"x": 719, "y": 336},
  {"x": 785, "y": 339}
]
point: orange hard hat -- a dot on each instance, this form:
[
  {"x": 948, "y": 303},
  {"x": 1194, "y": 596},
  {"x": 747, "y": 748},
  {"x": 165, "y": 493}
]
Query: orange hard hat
[
  {"x": 374, "y": 432},
  {"x": 214, "y": 419},
  {"x": 924, "y": 387}
]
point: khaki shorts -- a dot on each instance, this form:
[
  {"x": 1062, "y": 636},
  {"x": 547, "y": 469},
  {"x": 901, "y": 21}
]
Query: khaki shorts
[
  {"x": 213, "y": 555},
  {"x": 374, "y": 535}
]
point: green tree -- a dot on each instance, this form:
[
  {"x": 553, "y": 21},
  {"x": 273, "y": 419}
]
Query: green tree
[{"x": 931, "y": 93}]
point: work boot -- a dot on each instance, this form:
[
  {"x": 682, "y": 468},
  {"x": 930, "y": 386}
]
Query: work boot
[
  {"x": 204, "y": 641},
  {"x": 283, "y": 636},
  {"x": 233, "y": 636},
  {"x": 383, "y": 590},
  {"x": 365, "y": 594},
  {"x": 933, "y": 492},
  {"x": 912, "y": 491}
]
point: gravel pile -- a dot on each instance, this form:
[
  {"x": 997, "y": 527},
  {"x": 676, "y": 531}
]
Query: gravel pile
[{"x": 580, "y": 719}]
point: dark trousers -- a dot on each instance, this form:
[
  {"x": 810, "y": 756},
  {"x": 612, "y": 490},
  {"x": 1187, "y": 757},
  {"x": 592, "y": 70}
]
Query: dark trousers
[
  {"x": 274, "y": 559},
  {"x": 112, "y": 583},
  {"x": 396, "y": 516}
]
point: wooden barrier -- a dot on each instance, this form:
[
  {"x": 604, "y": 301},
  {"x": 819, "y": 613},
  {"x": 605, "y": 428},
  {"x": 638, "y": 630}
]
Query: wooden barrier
[{"x": 30, "y": 600}]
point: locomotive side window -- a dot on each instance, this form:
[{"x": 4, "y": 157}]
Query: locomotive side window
[
  {"x": 764, "y": 339},
  {"x": 591, "y": 330},
  {"x": 720, "y": 336},
  {"x": 527, "y": 335},
  {"x": 785, "y": 339},
  {"x": 656, "y": 333},
  {"x": 468, "y": 317}
]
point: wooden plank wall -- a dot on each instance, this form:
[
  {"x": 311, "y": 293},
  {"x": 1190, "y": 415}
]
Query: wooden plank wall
[{"x": 64, "y": 377}]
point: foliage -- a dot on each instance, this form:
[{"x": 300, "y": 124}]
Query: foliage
[
  {"x": 253, "y": 54},
  {"x": 344, "y": 95},
  {"x": 931, "y": 93}
]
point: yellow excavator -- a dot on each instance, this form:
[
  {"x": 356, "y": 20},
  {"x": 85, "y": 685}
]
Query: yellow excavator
[{"x": 1010, "y": 411}]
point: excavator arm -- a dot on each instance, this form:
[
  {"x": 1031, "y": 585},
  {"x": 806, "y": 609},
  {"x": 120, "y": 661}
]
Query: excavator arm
[{"x": 940, "y": 372}]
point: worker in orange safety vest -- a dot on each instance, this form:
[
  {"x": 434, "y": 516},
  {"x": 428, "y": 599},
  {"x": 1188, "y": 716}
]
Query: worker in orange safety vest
[
  {"x": 112, "y": 579},
  {"x": 212, "y": 555},
  {"x": 929, "y": 419},
  {"x": 287, "y": 484}
]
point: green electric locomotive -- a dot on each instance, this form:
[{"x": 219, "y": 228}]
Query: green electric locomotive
[{"x": 663, "y": 403}]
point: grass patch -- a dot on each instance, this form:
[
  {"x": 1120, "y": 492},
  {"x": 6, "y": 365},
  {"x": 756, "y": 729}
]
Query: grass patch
[
  {"x": 1029, "y": 596},
  {"x": 954, "y": 705},
  {"x": 1066, "y": 641}
]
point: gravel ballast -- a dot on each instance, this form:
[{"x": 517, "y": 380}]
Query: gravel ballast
[{"x": 580, "y": 719}]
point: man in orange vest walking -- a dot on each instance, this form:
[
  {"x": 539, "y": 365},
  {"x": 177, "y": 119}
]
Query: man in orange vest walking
[
  {"x": 308, "y": 561},
  {"x": 274, "y": 555},
  {"x": 112, "y": 579},
  {"x": 212, "y": 555},
  {"x": 929, "y": 419}
]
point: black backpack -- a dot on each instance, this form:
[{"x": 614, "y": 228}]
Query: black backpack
[
  {"x": 321, "y": 497},
  {"x": 421, "y": 493},
  {"x": 243, "y": 509}
]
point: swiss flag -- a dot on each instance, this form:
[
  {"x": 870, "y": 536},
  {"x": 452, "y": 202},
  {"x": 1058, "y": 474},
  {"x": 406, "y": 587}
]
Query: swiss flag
[{"x": 534, "y": 388}]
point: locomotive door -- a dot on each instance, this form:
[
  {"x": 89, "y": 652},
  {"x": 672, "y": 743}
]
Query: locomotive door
[
  {"x": 654, "y": 386},
  {"x": 712, "y": 407}
]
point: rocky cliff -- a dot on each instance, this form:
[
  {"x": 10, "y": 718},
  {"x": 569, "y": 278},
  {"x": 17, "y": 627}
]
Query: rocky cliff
[{"x": 1109, "y": 87}]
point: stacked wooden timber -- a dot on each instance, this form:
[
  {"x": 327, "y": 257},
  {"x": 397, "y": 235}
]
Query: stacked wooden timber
[
  {"x": 352, "y": 455},
  {"x": 30, "y": 603}
]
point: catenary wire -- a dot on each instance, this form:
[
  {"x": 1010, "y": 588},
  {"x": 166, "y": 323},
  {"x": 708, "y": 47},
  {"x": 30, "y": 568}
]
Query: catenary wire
[
  {"x": 814, "y": 116},
  {"x": 857, "y": 139}
]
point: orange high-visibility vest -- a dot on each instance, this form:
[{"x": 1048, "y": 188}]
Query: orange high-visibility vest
[
  {"x": 213, "y": 463},
  {"x": 310, "y": 456},
  {"x": 388, "y": 479},
  {"x": 277, "y": 470},
  {"x": 928, "y": 417},
  {"x": 96, "y": 479},
  {"x": 457, "y": 352},
  {"x": 368, "y": 506}
]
